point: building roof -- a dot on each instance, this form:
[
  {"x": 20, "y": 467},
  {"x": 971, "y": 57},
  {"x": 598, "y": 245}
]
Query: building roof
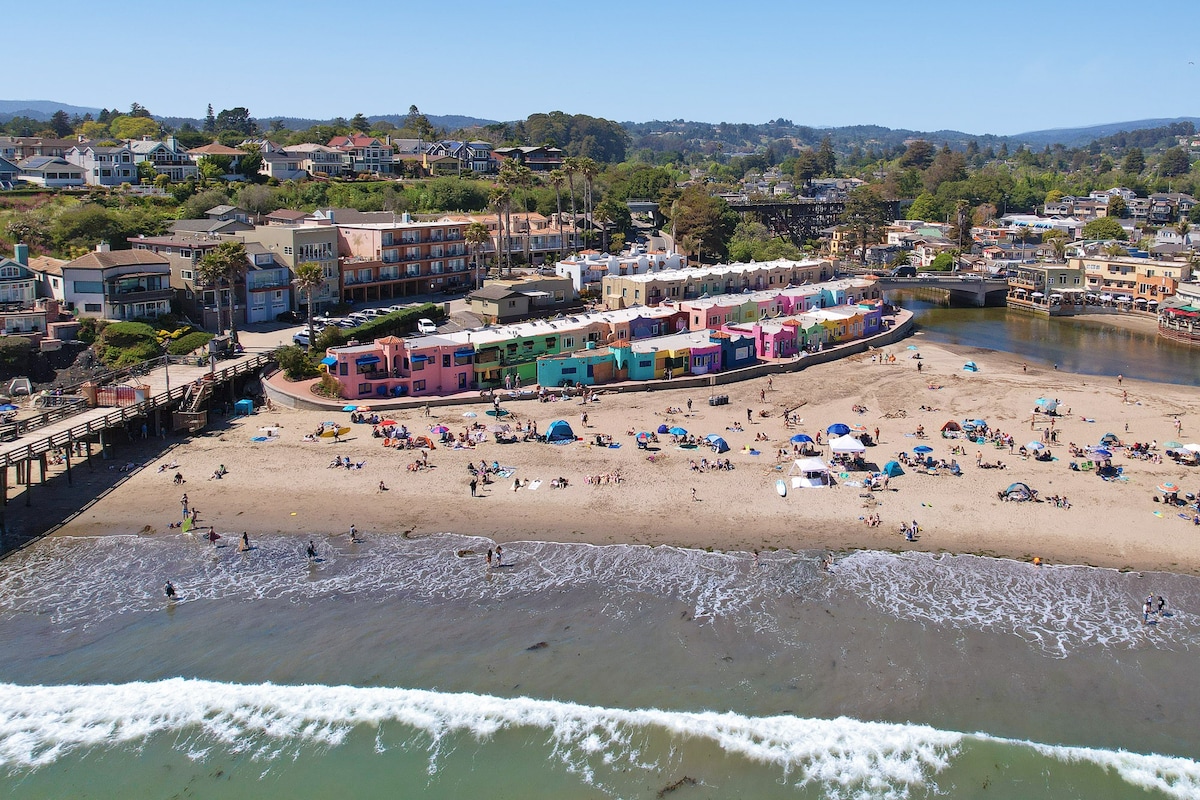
[
  {"x": 287, "y": 214},
  {"x": 46, "y": 265},
  {"x": 493, "y": 291},
  {"x": 117, "y": 258},
  {"x": 38, "y": 163},
  {"x": 216, "y": 149}
]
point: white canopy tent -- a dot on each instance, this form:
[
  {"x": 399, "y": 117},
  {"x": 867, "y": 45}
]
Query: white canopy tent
[
  {"x": 810, "y": 473},
  {"x": 846, "y": 444}
]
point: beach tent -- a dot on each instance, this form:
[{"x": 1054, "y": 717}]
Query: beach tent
[
  {"x": 846, "y": 444},
  {"x": 809, "y": 473},
  {"x": 719, "y": 445},
  {"x": 1018, "y": 491},
  {"x": 559, "y": 431},
  {"x": 1110, "y": 438},
  {"x": 838, "y": 429},
  {"x": 663, "y": 429},
  {"x": 951, "y": 425},
  {"x": 892, "y": 469},
  {"x": 970, "y": 366}
]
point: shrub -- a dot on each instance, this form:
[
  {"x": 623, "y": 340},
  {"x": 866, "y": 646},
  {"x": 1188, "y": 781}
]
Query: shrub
[
  {"x": 127, "y": 334},
  {"x": 328, "y": 386},
  {"x": 397, "y": 323},
  {"x": 332, "y": 336},
  {"x": 15, "y": 353},
  {"x": 90, "y": 328},
  {"x": 129, "y": 356},
  {"x": 188, "y": 342},
  {"x": 295, "y": 363}
]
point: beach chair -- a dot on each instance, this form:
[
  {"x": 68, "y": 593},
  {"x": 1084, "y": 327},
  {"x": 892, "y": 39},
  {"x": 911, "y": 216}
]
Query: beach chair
[{"x": 1087, "y": 466}]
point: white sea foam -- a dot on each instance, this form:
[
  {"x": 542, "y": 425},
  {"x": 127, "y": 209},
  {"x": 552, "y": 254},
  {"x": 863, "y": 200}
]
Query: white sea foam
[
  {"x": 83, "y": 581},
  {"x": 1057, "y": 609},
  {"x": 845, "y": 757}
]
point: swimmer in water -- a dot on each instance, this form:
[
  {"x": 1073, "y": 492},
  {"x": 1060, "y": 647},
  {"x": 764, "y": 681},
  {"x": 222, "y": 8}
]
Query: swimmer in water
[
  {"x": 169, "y": 591},
  {"x": 311, "y": 550}
]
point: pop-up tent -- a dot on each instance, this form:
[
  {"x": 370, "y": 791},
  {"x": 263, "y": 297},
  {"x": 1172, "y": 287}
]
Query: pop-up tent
[
  {"x": 892, "y": 469},
  {"x": 559, "y": 431},
  {"x": 718, "y": 444},
  {"x": 951, "y": 425},
  {"x": 1018, "y": 491},
  {"x": 809, "y": 473},
  {"x": 846, "y": 444}
]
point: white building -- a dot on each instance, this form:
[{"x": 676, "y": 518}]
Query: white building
[{"x": 591, "y": 267}]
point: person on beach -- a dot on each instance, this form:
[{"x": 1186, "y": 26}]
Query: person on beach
[
  {"x": 179, "y": 481},
  {"x": 183, "y": 501},
  {"x": 382, "y": 486},
  {"x": 499, "y": 556},
  {"x": 311, "y": 550},
  {"x": 489, "y": 558},
  {"x": 169, "y": 591},
  {"x": 474, "y": 487},
  {"x": 1162, "y": 606},
  {"x": 689, "y": 405},
  {"x": 749, "y": 415},
  {"x": 245, "y": 545},
  {"x": 353, "y": 533},
  {"x": 1146, "y": 608}
]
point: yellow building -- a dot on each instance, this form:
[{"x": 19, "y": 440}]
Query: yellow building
[{"x": 622, "y": 291}]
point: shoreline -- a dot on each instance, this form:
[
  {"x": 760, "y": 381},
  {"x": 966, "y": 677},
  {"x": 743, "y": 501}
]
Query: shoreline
[{"x": 284, "y": 486}]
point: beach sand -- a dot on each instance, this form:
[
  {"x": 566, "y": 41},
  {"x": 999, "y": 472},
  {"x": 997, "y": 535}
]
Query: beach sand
[{"x": 285, "y": 485}]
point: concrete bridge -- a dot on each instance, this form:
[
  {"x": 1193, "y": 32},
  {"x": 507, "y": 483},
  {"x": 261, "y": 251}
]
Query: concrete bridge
[{"x": 973, "y": 288}]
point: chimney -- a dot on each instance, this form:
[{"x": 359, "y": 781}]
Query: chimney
[
  {"x": 102, "y": 247},
  {"x": 21, "y": 254}
]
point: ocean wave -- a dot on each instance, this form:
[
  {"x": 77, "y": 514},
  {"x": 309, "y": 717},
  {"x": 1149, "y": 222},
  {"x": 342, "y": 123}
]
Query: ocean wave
[
  {"x": 1057, "y": 609},
  {"x": 844, "y": 757},
  {"x": 81, "y": 581}
]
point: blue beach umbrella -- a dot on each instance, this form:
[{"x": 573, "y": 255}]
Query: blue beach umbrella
[
  {"x": 8, "y": 407},
  {"x": 801, "y": 437},
  {"x": 922, "y": 449},
  {"x": 911, "y": 347},
  {"x": 1035, "y": 446},
  {"x": 677, "y": 431},
  {"x": 838, "y": 429},
  {"x": 1100, "y": 452},
  {"x": 644, "y": 436},
  {"x": 349, "y": 408}
]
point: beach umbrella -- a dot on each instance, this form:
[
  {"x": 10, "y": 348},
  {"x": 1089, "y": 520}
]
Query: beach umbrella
[
  {"x": 470, "y": 415},
  {"x": 677, "y": 431},
  {"x": 922, "y": 449},
  {"x": 858, "y": 429},
  {"x": 8, "y": 407},
  {"x": 349, "y": 408},
  {"x": 1192, "y": 448},
  {"x": 439, "y": 429},
  {"x": 362, "y": 408},
  {"x": 1100, "y": 452},
  {"x": 388, "y": 422},
  {"x": 911, "y": 347},
  {"x": 838, "y": 429},
  {"x": 1035, "y": 446},
  {"x": 1044, "y": 401},
  {"x": 801, "y": 437},
  {"x": 1168, "y": 445},
  {"x": 644, "y": 436},
  {"x": 1167, "y": 488}
]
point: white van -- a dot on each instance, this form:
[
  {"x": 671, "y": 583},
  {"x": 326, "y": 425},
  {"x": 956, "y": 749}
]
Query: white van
[{"x": 425, "y": 326}]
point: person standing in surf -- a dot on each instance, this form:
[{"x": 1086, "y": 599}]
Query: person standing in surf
[
  {"x": 169, "y": 591},
  {"x": 311, "y": 550}
]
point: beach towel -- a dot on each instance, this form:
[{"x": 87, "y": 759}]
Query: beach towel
[
  {"x": 506, "y": 472},
  {"x": 533, "y": 486},
  {"x": 258, "y": 438},
  {"x": 614, "y": 446}
]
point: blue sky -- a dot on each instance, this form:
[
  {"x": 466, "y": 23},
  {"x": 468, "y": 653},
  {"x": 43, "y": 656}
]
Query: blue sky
[{"x": 1002, "y": 67}]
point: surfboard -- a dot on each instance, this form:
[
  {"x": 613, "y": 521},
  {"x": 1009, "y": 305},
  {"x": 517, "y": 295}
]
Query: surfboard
[{"x": 781, "y": 487}]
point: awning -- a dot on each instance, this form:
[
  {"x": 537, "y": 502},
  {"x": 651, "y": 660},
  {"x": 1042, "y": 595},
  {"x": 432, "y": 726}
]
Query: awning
[
  {"x": 329, "y": 361},
  {"x": 367, "y": 360},
  {"x": 420, "y": 358},
  {"x": 463, "y": 353}
]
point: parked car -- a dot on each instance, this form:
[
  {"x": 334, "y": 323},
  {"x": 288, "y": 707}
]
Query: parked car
[
  {"x": 425, "y": 326},
  {"x": 300, "y": 339},
  {"x": 290, "y": 316},
  {"x": 359, "y": 317},
  {"x": 397, "y": 307},
  {"x": 372, "y": 313},
  {"x": 904, "y": 272}
]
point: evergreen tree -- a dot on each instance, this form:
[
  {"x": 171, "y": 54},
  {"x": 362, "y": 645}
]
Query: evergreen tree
[{"x": 210, "y": 120}]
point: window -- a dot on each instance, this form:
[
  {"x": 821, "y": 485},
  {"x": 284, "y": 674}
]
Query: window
[
  {"x": 91, "y": 307},
  {"x": 549, "y": 341},
  {"x": 445, "y": 359},
  {"x": 364, "y": 388},
  {"x": 418, "y": 364},
  {"x": 569, "y": 370},
  {"x": 418, "y": 386},
  {"x": 568, "y": 341},
  {"x": 186, "y": 274},
  {"x": 343, "y": 368}
]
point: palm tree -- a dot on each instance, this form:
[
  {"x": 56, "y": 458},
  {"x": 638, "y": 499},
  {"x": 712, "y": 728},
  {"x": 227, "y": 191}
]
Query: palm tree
[
  {"x": 1059, "y": 244},
  {"x": 557, "y": 178},
  {"x": 476, "y": 235},
  {"x": 234, "y": 261},
  {"x": 1026, "y": 235},
  {"x": 589, "y": 169},
  {"x": 571, "y": 166},
  {"x": 310, "y": 277},
  {"x": 1183, "y": 229},
  {"x": 211, "y": 272},
  {"x": 499, "y": 200}
]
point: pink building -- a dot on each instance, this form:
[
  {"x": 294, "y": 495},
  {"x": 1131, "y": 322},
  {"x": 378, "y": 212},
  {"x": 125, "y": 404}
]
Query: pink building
[{"x": 394, "y": 367}]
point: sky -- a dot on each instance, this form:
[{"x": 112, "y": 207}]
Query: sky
[{"x": 1003, "y": 67}]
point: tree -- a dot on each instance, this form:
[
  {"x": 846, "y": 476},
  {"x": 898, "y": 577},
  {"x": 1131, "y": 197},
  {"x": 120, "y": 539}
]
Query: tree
[
  {"x": 236, "y": 119},
  {"x": 1117, "y": 207},
  {"x": 476, "y": 236},
  {"x": 93, "y": 130},
  {"x": 923, "y": 208},
  {"x": 1026, "y": 234},
  {"x": 419, "y": 124},
  {"x": 225, "y": 264},
  {"x": 360, "y": 123},
  {"x": 589, "y": 169},
  {"x": 210, "y": 120},
  {"x": 806, "y": 168},
  {"x": 1194, "y": 215},
  {"x": 133, "y": 127},
  {"x": 704, "y": 222},
  {"x": 611, "y": 212},
  {"x": 557, "y": 178},
  {"x": 919, "y": 154},
  {"x": 1174, "y": 161},
  {"x": 1104, "y": 228},
  {"x": 61, "y": 124},
  {"x": 571, "y": 167},
  {"x": 499, "y": 201},
  {"x": 826, "y": 158},
  {"x": 942, "y": 262},
  {"x": 865, "y": 211},
  {"x": 310, "y": 277},
  {"x": 1134, "y": 161}
]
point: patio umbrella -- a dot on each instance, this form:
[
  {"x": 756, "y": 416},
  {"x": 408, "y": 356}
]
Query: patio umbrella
[
  {"x": 349, "y": 408},
  {"x": 1035, "y": 446},
  {"x": 1167, "y": 488},
  {"x": 801, "y": 437},
  {"x": 677, "y": 431},
  {"x": 439, "y": 429},
  {"x": 922, "y": 449},
  {"x": 838, "y": 429},
  {"x": 1168, "y": 445},
  {"x": 1100, "y": 452}
]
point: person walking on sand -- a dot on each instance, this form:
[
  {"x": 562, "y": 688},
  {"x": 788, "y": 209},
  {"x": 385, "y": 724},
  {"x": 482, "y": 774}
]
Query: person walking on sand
[
  {"x": 694, "y": 494},
  {"x": 1119, "y": 379},
  {"x": 474, "y": 487},
  {"x": 762, "y": 395},
  {"x": 353, "y": 533},
  {"x": 877, "y": 436},
  {"x": 770, "y": 382},
  {"x": 689, "y": 405},
  {"x": 749, "y": 415},
  {"x": 183, "y": 501},
  {"x": 245, "y": 545}
]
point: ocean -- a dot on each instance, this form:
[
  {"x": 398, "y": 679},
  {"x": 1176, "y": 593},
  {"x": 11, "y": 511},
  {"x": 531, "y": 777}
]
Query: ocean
[{"x": 403, "y": 667}]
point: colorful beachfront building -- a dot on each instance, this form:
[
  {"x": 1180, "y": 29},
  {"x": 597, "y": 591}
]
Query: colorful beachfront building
[
  {"x": 678, "y": 285},
  {"x": 637, "y": 343}
]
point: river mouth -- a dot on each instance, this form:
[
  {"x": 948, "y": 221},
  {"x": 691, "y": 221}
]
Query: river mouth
[{"x": 1085, "y": 346}]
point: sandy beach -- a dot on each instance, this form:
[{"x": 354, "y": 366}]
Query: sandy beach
[{"x": 285, "y": 485}]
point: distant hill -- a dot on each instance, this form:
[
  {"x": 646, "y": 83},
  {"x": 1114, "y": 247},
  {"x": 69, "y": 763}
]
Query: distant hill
[
  {"x": 1074, "y": 137},
  {"x": 39, "y": 109},
  {"x": 448, "y": 122}
]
